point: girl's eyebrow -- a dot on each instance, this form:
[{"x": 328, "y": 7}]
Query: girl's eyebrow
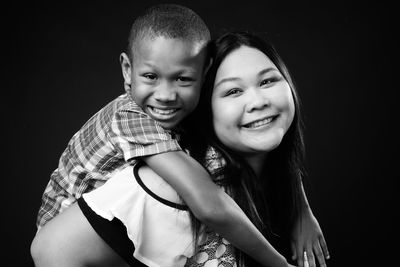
[
  {"x": 230, "y": 79},
  {"x": 266, "y": 71}
]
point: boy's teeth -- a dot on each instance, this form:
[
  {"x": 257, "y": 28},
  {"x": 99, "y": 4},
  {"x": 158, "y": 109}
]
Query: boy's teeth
[
  {"x": 259, "y": 123},
  {"x": 163, "y": 111}
]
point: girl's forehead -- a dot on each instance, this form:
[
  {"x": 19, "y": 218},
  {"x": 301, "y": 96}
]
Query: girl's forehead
[{"x": 243, "y": 62}]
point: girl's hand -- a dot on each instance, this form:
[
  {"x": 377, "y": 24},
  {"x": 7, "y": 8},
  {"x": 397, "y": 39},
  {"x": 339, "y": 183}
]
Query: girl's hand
[{"x": 308, "y": 241}]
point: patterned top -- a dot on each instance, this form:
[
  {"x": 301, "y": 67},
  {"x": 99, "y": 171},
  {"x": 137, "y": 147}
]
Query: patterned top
[
  {"x": 215, "y": 163},
  {"x": 213, "y": 250},
  {"x": 113, "y": 138}
]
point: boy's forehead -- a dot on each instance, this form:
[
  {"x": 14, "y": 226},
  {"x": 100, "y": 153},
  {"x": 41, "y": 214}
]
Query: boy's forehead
[
  {"x": 184, "y": 49},
  {"x": 196, "y": 46}
]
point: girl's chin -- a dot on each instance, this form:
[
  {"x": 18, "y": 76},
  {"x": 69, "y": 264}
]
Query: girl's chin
[{"x": 265, "y": 147}]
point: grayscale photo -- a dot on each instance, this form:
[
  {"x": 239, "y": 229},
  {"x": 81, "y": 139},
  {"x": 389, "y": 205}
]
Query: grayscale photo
[{"x": 200, "y": 134}]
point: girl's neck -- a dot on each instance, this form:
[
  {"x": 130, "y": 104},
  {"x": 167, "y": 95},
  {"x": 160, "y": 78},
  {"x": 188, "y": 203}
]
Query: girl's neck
[{"x": 256, "y": 162}]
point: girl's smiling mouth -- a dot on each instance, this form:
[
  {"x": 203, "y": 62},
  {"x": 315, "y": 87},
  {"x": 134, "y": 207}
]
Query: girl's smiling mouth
[{"x": 260, "y": 122}]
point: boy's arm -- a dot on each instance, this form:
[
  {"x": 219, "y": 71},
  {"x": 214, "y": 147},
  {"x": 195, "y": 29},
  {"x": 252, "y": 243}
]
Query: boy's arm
[
  {"x": 307, "y": 237},
  {"x": 212, "y": 206}
]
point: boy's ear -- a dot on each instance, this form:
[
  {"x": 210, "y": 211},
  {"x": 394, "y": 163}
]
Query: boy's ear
[{"x": 126, "y": 68}]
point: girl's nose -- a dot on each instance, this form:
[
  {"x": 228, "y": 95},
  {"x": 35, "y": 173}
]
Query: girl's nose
[{"x": 256, "y": 100}]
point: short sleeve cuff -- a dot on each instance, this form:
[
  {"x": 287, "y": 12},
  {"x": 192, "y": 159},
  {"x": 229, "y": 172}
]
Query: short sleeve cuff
[{"x": 142, "y": 150}]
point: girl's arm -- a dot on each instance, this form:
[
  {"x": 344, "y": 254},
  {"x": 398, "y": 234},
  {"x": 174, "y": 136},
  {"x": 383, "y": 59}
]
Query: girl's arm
[
  {"x": 212, "y": 206},
  {"x": 307, "y": 237}
]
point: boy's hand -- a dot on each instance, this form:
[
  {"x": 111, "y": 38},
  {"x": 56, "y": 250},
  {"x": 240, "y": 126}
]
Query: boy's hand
[{"x": 308, "y": 241}]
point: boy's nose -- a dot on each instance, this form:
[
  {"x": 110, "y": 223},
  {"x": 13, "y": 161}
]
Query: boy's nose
[
  {"x": 256, "y": 100},
  {"x": 165, "y": 93}
]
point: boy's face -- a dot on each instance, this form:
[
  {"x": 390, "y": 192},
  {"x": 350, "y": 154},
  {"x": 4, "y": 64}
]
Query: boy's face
[{"x": 165, "y": 77}]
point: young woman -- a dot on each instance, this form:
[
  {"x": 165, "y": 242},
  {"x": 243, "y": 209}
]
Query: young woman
[
  {"x": 250, "y": 114},
  {"x": 254, "y": 124}
]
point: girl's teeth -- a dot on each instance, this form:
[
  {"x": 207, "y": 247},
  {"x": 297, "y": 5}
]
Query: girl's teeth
[{"x": 259, "y": 123}]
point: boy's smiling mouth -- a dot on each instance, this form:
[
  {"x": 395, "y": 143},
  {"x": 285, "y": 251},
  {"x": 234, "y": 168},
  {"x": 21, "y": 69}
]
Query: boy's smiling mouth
[{"x": 164, "y": 113}]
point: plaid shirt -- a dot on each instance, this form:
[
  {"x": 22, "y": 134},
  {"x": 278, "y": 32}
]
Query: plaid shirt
[{"x": 113, "y": 138}]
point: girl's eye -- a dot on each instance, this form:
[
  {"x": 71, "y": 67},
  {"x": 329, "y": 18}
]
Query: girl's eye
[
  {"x": 233, "y": 92},
  {"x": 269, "y": 81},
  {"x": 265, "y": 82}
]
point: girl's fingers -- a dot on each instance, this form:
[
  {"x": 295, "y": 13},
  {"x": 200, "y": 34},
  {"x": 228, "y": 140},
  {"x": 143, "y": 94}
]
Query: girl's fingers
[
  {"x": 310, "y": 258},
  {"x": 294, "y": 250},
  {"x": 319, "y": 255},
  {"x": 305, "y": 259},
  {"x": 300, "y": 257},
  {"x": 324, "y": 247}
]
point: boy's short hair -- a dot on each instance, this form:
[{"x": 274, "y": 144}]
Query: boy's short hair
[{"x": 168, "y": 20}]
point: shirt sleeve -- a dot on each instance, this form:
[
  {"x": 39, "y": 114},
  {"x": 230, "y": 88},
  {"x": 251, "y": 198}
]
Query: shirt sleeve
[{"x": 136, "y": 134}]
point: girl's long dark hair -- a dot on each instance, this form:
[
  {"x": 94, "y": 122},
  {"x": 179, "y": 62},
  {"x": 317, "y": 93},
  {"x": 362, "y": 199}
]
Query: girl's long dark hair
[{"x": 272, "y": 201}]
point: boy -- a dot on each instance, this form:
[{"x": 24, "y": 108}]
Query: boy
[{"x": 163, "y": 72}]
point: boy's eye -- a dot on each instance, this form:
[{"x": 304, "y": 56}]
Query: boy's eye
[
  {"x": 184, "y": 79},
  {"x": 150, "y": 76}
]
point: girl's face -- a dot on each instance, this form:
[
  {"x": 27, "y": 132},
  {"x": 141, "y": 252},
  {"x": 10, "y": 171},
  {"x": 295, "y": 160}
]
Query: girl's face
[{"x": 252, "y": 103}]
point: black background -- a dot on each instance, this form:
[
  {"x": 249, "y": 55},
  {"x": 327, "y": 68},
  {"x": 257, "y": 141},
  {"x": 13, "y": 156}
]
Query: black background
[{"x": 63, "y": 66}]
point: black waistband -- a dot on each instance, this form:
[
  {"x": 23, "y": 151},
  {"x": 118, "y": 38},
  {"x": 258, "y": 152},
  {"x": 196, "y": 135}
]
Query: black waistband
[{"x": 145, "y": 188}]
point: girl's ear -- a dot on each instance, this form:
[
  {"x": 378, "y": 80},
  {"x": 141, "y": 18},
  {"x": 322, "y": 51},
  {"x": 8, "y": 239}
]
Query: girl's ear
[{"x": 126, "y": 68}]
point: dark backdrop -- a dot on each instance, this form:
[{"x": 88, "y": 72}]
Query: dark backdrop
[{"x": 64, "y": 66}]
